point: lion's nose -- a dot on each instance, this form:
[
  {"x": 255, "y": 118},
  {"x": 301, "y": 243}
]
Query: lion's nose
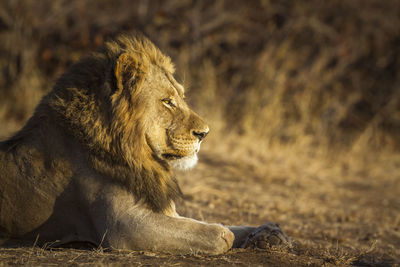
[{"x": 200, "y": 134}]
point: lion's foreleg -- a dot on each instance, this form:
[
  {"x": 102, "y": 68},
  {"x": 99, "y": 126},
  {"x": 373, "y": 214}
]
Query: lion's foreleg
[
  {"x": 127, "y": 224},
  {"x": 158, "y": 232}
]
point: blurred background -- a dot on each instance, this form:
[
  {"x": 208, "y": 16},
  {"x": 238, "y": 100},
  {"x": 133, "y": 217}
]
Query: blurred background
[{"x": 309, "y": 74}]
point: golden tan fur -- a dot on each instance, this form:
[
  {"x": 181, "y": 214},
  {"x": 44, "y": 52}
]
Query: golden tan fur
[{"x": 93, "y": 164}]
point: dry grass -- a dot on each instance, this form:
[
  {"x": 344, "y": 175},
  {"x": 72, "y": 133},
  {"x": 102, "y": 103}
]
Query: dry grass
[
  {"x": 336, "y": 208},
  {"x": 304, "y": 96},
  {"x": 338, "y": 212}
]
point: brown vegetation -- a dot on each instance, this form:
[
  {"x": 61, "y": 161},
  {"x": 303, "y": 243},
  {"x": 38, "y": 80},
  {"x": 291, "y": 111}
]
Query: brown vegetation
[
  {"x": 327, "y": 72},
  {"x": 317, "y": 83}
]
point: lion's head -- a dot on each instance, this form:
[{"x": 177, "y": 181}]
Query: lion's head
[
  {"x": 125, "y": 107},
  {"x": 171, "y": 129}
]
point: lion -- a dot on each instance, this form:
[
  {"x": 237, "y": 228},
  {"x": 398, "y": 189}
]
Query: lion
[{"x": 94, "y": 164}]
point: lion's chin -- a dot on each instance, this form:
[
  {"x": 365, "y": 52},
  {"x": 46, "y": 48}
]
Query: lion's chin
[{"x": 184, "y": 163}]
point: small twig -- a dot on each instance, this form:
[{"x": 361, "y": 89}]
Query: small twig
[
  {"x": 36, "y": 240},
  {"x": 102, "y": 240}
]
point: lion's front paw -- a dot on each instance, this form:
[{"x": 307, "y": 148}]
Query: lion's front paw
[
  {"x": 269, "y": 234},
  {"x": 215, "y": 239}
]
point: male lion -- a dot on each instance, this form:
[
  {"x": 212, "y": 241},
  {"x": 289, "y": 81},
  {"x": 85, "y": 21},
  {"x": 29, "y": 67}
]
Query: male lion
[{"x": 93, "y": 164}]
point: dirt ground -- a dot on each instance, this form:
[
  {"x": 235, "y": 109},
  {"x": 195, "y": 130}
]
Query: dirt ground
[{"x": 338, "y": 212}]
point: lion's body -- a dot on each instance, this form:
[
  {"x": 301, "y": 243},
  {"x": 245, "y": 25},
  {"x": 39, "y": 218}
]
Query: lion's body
[
  {"x": 93, "y": 163},
  {"x": 37, "y": 179}
]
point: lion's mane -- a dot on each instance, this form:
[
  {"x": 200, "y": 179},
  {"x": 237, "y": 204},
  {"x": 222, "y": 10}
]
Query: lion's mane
[{"x": 92, "y": 105}]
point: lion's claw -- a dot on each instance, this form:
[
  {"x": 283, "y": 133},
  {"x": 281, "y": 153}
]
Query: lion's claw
[{"x": 267, "y": 235}]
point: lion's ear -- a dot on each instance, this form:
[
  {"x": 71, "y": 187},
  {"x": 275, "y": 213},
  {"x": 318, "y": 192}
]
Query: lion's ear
[{"x": 128, "y": 72}]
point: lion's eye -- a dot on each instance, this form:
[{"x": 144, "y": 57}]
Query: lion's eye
[{"x": 169, "y": 102}]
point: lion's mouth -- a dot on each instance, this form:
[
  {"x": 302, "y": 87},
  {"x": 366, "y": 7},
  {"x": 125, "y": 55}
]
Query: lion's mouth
[{"x": 170, "y": 156}]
